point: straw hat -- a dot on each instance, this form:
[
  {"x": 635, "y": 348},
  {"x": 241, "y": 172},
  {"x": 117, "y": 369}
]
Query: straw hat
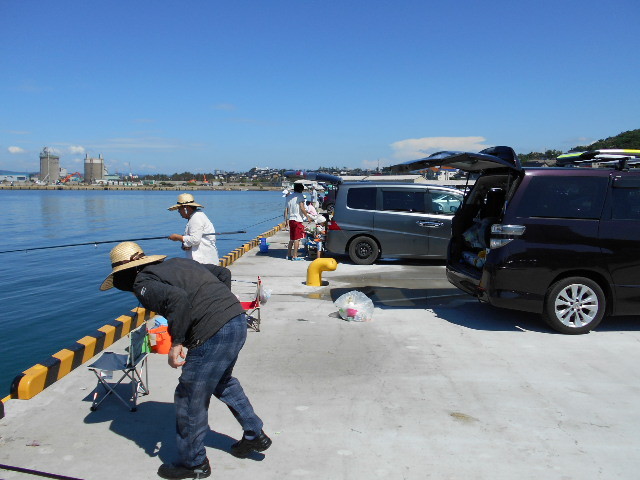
[
  {"x": 127, "y": 255},
  {"x": 185, "y": 199}
]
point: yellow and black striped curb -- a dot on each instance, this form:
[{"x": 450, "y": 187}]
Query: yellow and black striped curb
[
  {"x": 35, "y": 379},
  {"x": 240, "y": 251}
]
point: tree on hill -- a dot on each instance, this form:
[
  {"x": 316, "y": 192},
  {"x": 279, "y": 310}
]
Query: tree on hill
[
  {"x": 629, "y": 139},
  {"x": 539, "y": 156}
]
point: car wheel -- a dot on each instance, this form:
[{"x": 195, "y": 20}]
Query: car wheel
[
  {"x": 363, "y": 250},
  {"x": 574, "y": 305}
]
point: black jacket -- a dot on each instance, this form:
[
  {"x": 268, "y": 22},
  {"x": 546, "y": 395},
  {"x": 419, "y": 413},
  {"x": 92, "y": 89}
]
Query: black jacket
[{"x": 196, "y": 299}]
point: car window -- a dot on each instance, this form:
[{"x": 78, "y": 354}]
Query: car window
[
  {"x": 445, "y": 203},
  {"x": 563, "y": 197},
  {"x": 625, "y": 204},
  {"x": 362, "y": 198},
  {"x": 404, "y": 200}
]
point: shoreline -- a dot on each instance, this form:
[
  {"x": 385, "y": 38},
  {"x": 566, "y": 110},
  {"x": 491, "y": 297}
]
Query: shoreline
[{"x": 234, "y": 187}]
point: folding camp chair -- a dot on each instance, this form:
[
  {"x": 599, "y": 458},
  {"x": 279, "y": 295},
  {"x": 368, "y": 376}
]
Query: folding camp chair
[
  {"x": 252, "y": 308},
  {"x": 132, "y": 365}
]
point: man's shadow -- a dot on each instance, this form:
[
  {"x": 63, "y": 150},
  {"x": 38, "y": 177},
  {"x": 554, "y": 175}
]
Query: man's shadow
[{"x": 152, "y": 428}]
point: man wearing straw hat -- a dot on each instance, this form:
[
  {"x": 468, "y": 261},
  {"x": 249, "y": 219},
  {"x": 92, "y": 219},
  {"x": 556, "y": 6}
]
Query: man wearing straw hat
[
  {"x": 199, "y": 240},
  {"x": 208, "y": 320}
]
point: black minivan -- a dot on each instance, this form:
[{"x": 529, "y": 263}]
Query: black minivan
[{"x": 562, "y": 242}]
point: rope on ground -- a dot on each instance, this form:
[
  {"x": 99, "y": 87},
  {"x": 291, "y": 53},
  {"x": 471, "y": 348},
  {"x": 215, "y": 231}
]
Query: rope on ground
[{"x": 37, "y": 472}]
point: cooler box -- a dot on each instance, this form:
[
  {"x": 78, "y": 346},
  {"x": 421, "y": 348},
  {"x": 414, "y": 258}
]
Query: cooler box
[
  {"x": 264, "y": 246},
  {"x": 163, "y": 340}
]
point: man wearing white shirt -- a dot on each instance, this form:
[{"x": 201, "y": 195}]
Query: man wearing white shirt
[
  {"x": 294, "y": 211},
  {"x": 197, "y": 241}
]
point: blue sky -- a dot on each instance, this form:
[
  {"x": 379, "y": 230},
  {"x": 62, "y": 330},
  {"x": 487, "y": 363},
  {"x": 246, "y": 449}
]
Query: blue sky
[{"x": 197, "y": 85}]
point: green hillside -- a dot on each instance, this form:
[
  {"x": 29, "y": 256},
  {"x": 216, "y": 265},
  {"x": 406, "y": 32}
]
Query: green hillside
[{"x": 630, "y": 139}]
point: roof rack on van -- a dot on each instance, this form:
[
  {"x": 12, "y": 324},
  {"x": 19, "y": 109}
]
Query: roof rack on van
[{"x": 619, "y": 158}]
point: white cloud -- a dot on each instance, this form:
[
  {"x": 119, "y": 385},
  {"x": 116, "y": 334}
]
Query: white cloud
[
  {"x": 147, "y": 167},
  {"x": 414, "y": 148},
  {"x": 143, "y": 143},
  {"x": 572, "y": 142},
  {"x": 225, "y": 106},
  {"x": 15, "y": 150},
  {"x": 31, "y": 86},
  {"x": 73, "y": 149},
  {"x": 374, "y": 164}
]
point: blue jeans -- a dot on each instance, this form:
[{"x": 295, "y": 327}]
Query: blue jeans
[{"x": 207, "y": 372}]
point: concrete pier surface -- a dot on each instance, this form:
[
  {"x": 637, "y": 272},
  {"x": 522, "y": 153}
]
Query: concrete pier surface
[{"x": 436, "y": 386}]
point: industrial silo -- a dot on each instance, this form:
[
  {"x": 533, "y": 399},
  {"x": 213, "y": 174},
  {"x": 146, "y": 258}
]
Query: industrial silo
[
  {"x": 49, "y": 166},
  {"x": 93, "y": 169}
]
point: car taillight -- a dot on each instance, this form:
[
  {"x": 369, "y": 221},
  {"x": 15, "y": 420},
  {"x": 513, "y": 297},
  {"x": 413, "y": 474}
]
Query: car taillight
[
  {"x": 333, "y": 225},
  {"x": 503, "y": 234}
]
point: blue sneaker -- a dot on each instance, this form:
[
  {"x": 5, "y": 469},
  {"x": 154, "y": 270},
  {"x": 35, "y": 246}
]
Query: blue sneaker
[{"x": 297, "y": 259}]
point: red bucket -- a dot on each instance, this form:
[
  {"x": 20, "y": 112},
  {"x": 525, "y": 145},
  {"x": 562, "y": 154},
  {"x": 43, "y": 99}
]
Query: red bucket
[{"x": 163, "y": 340}]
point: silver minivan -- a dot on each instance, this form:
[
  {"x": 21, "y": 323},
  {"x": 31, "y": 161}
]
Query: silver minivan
[{"x": 384, "y": 219}]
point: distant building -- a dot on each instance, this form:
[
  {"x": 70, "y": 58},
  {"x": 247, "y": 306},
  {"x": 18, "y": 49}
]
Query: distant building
[
  {"x": 14, "y": 177},
  {"x": 112, "y": 180},
  {"x": 442, "y": 174},
  {"x": 49, "y": 166},
  {"x": 94, "y": 169},
  {"x": 541, "y": 163}
]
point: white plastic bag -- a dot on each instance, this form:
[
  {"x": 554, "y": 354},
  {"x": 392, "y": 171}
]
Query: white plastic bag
[
  {"x": 354, "y": 306},
  {"x": 264, "y": 294}
]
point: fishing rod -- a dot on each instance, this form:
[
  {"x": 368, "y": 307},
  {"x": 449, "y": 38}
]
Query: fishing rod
[
  {"x": 128, "y": 240},
  {"x": 264, "y": 221},
  {"x": 110, "y": 241}
]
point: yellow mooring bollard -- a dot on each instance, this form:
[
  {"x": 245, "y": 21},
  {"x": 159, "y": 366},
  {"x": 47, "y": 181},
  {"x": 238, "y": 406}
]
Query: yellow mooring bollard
[{"x": 319, "y": 265}]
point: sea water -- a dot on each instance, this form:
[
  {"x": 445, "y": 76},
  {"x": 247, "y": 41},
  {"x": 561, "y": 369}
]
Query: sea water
[{"x": 50, "y": 298}]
